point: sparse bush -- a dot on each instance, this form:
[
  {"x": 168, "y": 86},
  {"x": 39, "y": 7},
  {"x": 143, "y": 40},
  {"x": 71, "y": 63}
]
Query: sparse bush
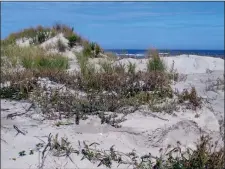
[
  {"x": 204, "y": 156},
  {"x": 107, "y": 67},
  {"x": 215, "y": 86},
  {"x": 120, "y": 68},
  {"x": 91, "y": 49},
  {"x": 194, "y": 100},
  {"x": 18, "y": 90}
]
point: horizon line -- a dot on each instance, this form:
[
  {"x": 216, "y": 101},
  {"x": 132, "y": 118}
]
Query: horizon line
[{"x": 162, "y": 49}]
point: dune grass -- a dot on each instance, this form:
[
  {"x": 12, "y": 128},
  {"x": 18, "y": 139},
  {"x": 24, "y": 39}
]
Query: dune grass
[
  {"x": 39, "y": 34},
  {"x": 34, "y": 58}
]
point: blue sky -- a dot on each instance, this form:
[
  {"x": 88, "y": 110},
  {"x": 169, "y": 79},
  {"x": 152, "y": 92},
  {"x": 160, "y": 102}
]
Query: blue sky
[{"x": 127, "y": 25}]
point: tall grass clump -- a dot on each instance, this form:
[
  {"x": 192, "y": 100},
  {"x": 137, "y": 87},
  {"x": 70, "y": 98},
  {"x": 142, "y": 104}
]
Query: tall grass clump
[
  {"x": 87, "y": 79},
  {"x": 35, "y": 57},
  {"x": 51, "y": 61},
  {"x": 155, "y": 63},
  {"x": 83, "y": 63},
  {"x": 131, "y": 68},
  {"x": 91, "y": 49},
  {"x": 107, "y": 67}
]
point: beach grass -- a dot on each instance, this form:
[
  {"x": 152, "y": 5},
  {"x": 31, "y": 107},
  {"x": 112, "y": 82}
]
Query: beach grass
[{"x": 34, "y": 57}]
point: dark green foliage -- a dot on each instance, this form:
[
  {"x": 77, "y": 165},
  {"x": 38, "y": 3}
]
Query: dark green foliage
[
  {"x": 18, "y": 90},
  {"x": 22, "y": 153},
  {"x": 72, "y": 40},
  {"x": 92, "y": 46},
  {"x": 41, "y": 37},
  {"x": 13, "y": 93}
]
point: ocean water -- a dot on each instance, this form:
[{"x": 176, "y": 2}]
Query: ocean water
[{"x": 137, "y": 53}]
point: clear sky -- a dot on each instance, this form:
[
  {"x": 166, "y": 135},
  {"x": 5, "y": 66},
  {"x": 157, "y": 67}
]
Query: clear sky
[{"x": 127, "y": 25}]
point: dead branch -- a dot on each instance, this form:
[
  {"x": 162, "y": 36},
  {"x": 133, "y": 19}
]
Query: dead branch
[
  {"x": 19, "y": 114},
  {"x": 18, "y": 130}
]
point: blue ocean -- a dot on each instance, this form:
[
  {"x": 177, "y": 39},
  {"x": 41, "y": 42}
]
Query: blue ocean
[{"x": 137, "y": 53}]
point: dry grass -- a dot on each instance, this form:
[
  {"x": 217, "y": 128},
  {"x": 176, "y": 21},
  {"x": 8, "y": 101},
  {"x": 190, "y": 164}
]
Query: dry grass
[
  {"x": 111, "y": 55},
  {"x": 205, "y": 156}
]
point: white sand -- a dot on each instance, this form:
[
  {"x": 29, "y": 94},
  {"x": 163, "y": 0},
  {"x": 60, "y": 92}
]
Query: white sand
[{"x": 186, "y": 64}]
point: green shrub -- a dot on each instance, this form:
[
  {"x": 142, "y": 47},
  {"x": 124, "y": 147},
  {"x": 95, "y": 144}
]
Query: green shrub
[
  {"x": 41, "y": 37},
  {"x": 72, "y": 40},
  {"x": 156, "y": 64}
]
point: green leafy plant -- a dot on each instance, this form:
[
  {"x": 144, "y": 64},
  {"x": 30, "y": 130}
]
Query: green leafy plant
[
  {"x": 72, "y": 40},
  {"x": 22, "y": 153}
]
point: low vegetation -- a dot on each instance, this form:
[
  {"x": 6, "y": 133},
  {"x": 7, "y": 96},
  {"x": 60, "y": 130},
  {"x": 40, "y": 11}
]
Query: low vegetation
[
  {"x": 34, "y": 58},
  {"x": 204, "y": 156},
  {"x": 112, "y": 88},
  {"x": 92, "y": 50}
]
